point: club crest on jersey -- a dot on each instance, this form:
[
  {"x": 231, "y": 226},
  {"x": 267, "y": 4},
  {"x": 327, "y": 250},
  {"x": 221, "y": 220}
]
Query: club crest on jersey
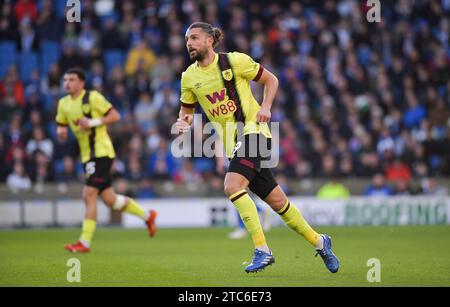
[
  {"x": 86, "y": 108},
  {"x": 227, "y": 74}
]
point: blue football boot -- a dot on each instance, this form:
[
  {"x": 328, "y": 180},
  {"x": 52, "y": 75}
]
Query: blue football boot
[
  {"x": 328, "y": 257},
  {"x": 260, "y": 260}
]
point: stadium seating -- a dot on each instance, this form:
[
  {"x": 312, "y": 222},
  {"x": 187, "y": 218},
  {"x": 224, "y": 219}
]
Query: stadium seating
[
  {"x": 8, "y": 50},
  {"x": 50, "y": 52},
  {"x": 28, "y": 62}
]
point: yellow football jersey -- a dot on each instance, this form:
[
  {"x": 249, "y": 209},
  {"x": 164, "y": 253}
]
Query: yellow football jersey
[
  {"x": 205, "y": 85},
  {"x": 94, "y": 143}
]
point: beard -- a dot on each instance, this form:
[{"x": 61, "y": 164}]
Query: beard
[{"x": 197, "y": 55}]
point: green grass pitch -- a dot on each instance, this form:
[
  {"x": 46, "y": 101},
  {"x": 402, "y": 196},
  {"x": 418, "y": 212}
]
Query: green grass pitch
[{"x": 409, "y": 256}]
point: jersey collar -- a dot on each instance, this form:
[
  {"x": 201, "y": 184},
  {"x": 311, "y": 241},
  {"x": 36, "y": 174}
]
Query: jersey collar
[{"x": 214, "y": 63}]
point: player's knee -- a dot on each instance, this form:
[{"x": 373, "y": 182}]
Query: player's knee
[
  {"x": 278, "y": 203},
  {"x": 109, "y": 202},
  {"x": 231, "y": 188},
  {"x": 276, "y": 200},
  {"x": 119, "y": 202}
]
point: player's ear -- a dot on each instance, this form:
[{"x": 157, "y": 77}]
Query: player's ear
[{"x": 210, "y": 40}]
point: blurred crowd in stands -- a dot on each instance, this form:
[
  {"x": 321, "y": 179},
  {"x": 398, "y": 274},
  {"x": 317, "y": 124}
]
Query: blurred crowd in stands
[{"x": 356, "y": 99}]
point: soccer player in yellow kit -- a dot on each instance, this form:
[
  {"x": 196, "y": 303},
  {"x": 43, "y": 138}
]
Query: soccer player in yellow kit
[
  {"x": 220, "y": 83},
  {"x": 88, "y": 113}
]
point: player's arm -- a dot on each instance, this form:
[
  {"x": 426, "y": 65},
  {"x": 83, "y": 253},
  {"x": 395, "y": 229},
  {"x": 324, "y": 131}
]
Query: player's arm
[
  {"x": 187, "y": 109},
  {"x": 220, "y": 160},
  {"x": 62, "y": 130},
  {"x": 270, "y": 82},
  {"x": 185, "y": 119}
]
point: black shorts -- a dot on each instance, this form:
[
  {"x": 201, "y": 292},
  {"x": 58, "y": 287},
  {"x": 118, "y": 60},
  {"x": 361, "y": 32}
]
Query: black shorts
[
  {"x": 248, "y": 155},
  {"x": 98, "y": 173}
]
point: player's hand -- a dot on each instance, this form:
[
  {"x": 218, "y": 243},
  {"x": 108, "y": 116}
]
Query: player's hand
[
  {"x": 183, "y": 124},
  {"x": 263, "y": 115},
  {"x": 62, "y": 133},
  {"x": 84, "y": 124}
]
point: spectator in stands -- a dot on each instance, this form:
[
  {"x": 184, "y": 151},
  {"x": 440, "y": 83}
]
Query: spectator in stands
[
  {"x": 39, "y": 142},
  {"x": 378, "y": 187},
  {"x": 88, "y": 38},
  {"x": 12, "y": 86},
  {"x": 110, "y": 39},
  {"x": 140, "y": 57},
  {"x": 8, "y": 108},
  {"x": 52, "y": 83},
  {"x": 41, "y": 170},
  {"x": 70, "y": 57},
  {"x": 145, "y": 112},
  {"x": 145, "y": 189},
  {"x": 134, "y": 169},
  {"x": 430, "y": 186},
  {"x": 398, "y": 171},
  {"x": 333, "y": 189},
  {"x": 18, "y": 180},
  {"x": 67, "y": 172},
  {"x": 7, "y": 30},
  {"x": 26, "y": 9},
  {"x": 414, "y": 113},
  {"x": 187, "y": 173},
  {"x": 2, "y": 159},
  {"x": 403, "y": 188},
  {"x": 14, "y": 136},
  {"x": 28, "y": 39},
  {"x": 47, "y": 24}
]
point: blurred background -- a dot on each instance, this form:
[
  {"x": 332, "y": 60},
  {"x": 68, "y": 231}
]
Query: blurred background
[{"x": 364, "y": 108}]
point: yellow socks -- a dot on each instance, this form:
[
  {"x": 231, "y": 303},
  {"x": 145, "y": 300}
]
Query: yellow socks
[
  {"x": 87, "y": 232},
  {"x": 249, "y": 215},
  {"x": 133, "y": 208},
  {"x": 294, "y": 219}
]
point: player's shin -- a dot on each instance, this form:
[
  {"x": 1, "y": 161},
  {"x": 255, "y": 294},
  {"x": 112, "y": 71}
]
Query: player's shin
[
  {"x": 87, "y": 232},
  {"x": 249, "y": 215},
  {"x": 294, "y": 219}
]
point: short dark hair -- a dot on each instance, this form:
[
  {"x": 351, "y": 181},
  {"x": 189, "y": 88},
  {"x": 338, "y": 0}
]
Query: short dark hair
[
  {"x": 77, "y": 71},
  {"x": 215, "y": 33}
]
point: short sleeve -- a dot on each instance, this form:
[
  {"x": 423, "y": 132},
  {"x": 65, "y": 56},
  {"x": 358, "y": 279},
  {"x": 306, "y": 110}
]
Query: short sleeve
[
  {"x": 188, "y": 98},
  {"x": 99, "y": 103},
  {"x": 61, "y": 118},
  {"x": 247, "y": 67}
]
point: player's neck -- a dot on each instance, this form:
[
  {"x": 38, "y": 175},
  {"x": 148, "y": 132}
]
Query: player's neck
[
  {"x": 208, "y": 59},
  {"x": 76, "y": 94}
]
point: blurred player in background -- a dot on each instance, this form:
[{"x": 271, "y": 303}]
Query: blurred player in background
[
  {"x": 220, "y": 83},
  {"x": 88, "y": 114}
]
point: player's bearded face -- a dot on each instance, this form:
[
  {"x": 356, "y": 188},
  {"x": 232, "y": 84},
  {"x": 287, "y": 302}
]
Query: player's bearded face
[
  {"x": 198, "y": 54},
  {"x": 197, "y": 44}
]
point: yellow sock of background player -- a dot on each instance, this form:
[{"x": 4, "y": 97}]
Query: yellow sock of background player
[
  {"x": 249, "y": 215},
  {"x": 294, "y": 219},
  {"x": 129, "y": 205},
  {"x": 87, "y": 232}
]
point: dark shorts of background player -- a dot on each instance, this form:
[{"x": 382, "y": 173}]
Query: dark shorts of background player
[
  {"x": 98, "y": 173},
  {"x": 247, "y": 162}
]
